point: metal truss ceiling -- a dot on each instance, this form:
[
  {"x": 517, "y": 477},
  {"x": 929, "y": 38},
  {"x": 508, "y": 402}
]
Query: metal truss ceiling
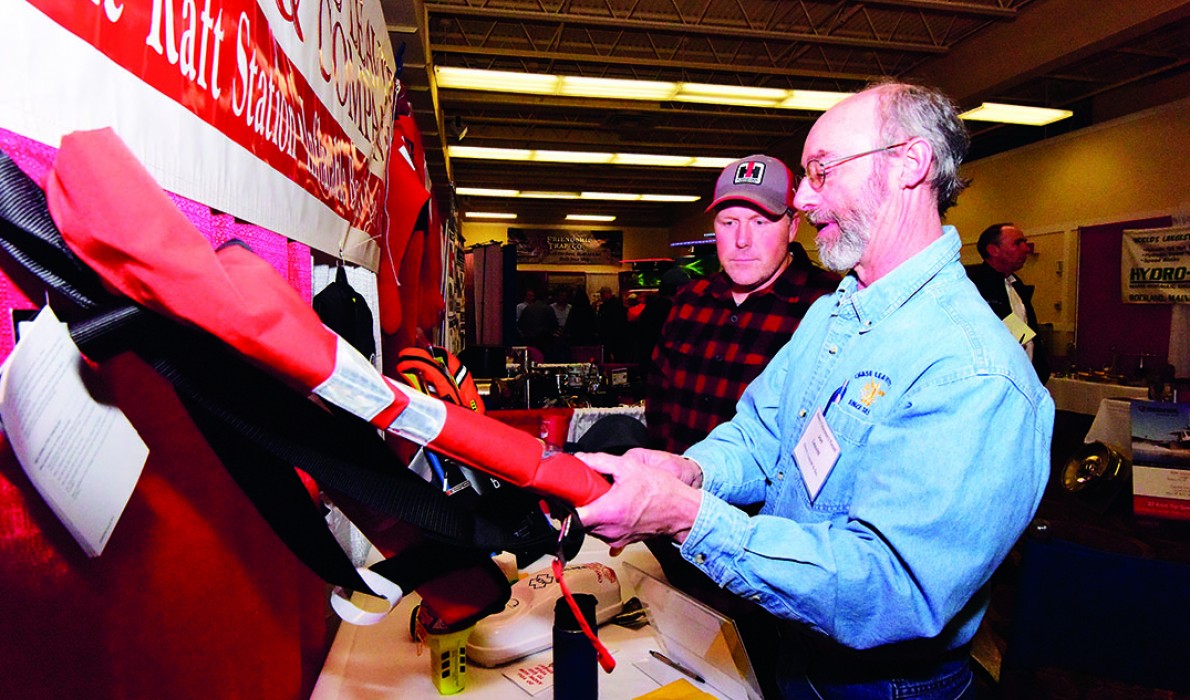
[{"x": 1076, "y": 54}]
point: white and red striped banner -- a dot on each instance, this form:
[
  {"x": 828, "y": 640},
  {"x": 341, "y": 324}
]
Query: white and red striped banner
[{"x": 279, "y": 113}]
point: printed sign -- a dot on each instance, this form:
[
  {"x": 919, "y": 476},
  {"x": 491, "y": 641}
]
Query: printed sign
[
  {"x": 1155, "y": 266},
  {"x": 279, "y": 113},
  {"x": 566, "y": 247}
]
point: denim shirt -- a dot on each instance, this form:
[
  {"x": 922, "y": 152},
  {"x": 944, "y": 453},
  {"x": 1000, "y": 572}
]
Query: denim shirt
[{"x": 944, "y": 436}]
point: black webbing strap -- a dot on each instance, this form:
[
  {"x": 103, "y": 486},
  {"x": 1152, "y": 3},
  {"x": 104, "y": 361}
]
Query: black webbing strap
[
  {"x": 29, "y": 236},
  {"x": 259, "y": 427}
]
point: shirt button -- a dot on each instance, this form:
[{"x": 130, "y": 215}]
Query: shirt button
[
  {"x": 780, "y": 476},
  {"x": 801, "y": 413},
  {"x": 833, "y": 349},
  {"x": 735, "y": 318},
  {"x": 700, "y": 558},
  {"x": 718, "y": 358},
  {"x": 756, "y": 597}
]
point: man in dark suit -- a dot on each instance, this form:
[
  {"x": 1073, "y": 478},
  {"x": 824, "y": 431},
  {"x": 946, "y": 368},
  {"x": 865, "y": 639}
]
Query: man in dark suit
[{"x": 1004, "y": 250}]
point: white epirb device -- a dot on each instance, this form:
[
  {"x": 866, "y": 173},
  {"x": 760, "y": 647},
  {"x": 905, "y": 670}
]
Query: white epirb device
[{"x": 525, "y": 626}]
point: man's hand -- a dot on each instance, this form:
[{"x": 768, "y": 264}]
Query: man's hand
[
  {"x": 687, "y": 470},
  {"x": 652, "y": 494}
]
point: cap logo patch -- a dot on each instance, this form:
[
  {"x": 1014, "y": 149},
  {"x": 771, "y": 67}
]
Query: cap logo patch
[{"x": 749, "y": 173}]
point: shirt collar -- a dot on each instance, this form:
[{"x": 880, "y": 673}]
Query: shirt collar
[
  {"x": 878, "y": 301},
  {"x": 787, "y": 286}
]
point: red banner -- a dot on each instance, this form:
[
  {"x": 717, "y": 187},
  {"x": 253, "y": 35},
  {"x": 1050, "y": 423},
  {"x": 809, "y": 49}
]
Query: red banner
[{"x": 224, "y": 65}]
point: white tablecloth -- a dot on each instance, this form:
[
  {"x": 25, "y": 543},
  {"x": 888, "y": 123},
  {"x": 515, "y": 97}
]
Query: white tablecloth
[
  {"x": 1079, "y": 396},
  {"x": 381, "y": 661}
]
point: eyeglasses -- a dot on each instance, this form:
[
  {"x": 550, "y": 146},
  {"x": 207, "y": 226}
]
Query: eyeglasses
[{"x": 816, "y": 170}]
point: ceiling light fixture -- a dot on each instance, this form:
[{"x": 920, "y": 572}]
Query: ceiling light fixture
[
  {"x": 489, "y": 153},
  {"x": 704, "y": 93},
  {"x": 669, "y": 198},
  {"x": 614, "y": 88},
  {"x": 590, "y": 217},
  {"x": 621, "y": 89},
  {"x": 489, "y": 215},
  {"x": 603, "y": 196},
  {"x": 496, "y": 80},
  {"x": 485, "y": 192},
  {"x": 544, "y": 156},
  {"x": 548, "y": 195},
  {"x": 1016, "y": 114}
]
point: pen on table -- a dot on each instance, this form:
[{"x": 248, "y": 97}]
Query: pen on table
[{"x": 675, "y": 665}]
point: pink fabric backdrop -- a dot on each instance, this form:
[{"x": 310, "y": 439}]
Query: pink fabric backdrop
[{"x": 194, "y": 597}]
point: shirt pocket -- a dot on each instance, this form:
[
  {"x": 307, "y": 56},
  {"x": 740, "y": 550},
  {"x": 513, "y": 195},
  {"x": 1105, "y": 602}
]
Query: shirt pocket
[{"x": 851, "y": 433}]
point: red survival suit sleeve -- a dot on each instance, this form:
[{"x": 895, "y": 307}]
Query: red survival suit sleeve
[{"x": 118, "y": 221}]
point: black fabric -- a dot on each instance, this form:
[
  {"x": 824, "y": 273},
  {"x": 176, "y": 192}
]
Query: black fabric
[
  {"x": 259, "y": 427},
  {"x": 29, "y": 235},
  {"x": 614, "y": 434},
  {"x": 346, "y": 313},
  {"x": 990, "y": 284}
]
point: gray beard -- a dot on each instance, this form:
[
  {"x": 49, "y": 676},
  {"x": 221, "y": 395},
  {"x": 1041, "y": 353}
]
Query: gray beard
[
  {"x": 843, "y": 254},
  {"x": 855, "y": 227}
]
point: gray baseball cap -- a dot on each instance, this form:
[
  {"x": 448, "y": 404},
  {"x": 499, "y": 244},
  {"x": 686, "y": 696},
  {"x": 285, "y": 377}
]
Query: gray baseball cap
[{"x": 757, "y": 179}]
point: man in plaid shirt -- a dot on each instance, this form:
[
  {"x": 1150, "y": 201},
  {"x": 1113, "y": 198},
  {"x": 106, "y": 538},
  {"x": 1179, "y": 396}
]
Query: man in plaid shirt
[{"x": 723, "y": 330}]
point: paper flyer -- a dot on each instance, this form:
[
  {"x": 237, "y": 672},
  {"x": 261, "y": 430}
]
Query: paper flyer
[{"x": 83, "y": 456}]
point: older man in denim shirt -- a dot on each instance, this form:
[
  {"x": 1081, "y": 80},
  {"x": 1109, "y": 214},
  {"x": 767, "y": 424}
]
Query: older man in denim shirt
[{"x": 899, "y": 443}]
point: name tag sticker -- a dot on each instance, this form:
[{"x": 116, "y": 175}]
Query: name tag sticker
[{"x": 816, "y": 453}]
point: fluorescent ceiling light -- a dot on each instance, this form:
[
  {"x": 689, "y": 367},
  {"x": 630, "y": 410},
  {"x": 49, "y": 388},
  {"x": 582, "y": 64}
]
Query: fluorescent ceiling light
[
  {"x": 590, "y": 217},
  {"x": 818, "y": 100},
  {"x": 485, "y": 192},
  {"x": 648, "y": 159},
  {"x": 621, "y": 89},
  {"x": 572, "y": 157},
  {"x": 669, "y": 198},
  {"x": 653, "y": 159},
  {"x": 738, "y": 95},
  {"x": 490, "y": 215},
  {"x": 703, "y": 93},
  {"x": 490, "y": 153},
  {"x": 548, "y": 195},
  {"x": 603, "y": 196},
  {"x": 575, "y": 86},
  {"x": 707, "y": 162},
  {"x": 734, "y": 101},
  {"x": 496, "y": 80},
  {"x": 710, "y": 90},
  {"x": 611, "y": 196},
  {"x": 1016, "y": 114}
]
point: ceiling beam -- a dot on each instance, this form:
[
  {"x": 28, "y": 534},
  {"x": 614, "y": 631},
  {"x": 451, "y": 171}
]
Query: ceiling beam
[
  {"x": 1051, "y": 35},
  {"x": 947, "y": 7},
  {"x": 679, "y": 27},
  {"x": 540, "y": 55}
]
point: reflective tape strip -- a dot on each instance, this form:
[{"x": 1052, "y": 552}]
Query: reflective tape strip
[
  {"x": 422, "y": 420},
  {"x": 355, "y": 385}
]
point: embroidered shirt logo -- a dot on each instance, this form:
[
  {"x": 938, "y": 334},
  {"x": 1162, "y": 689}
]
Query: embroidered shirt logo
[
  {"x": 876, "y": 385},
  {"x": 749, "y": 173},
  {"x": 870, "y": 393}
]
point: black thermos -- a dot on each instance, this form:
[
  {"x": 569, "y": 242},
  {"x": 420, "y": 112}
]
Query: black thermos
[{"x": 576, "y": 667}]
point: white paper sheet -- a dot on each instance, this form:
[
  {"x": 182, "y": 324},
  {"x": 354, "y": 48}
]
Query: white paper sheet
[{"x": 83, "y": 456}]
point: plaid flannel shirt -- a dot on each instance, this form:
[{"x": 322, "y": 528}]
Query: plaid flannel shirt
[{"x": 710, "y": 349}]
